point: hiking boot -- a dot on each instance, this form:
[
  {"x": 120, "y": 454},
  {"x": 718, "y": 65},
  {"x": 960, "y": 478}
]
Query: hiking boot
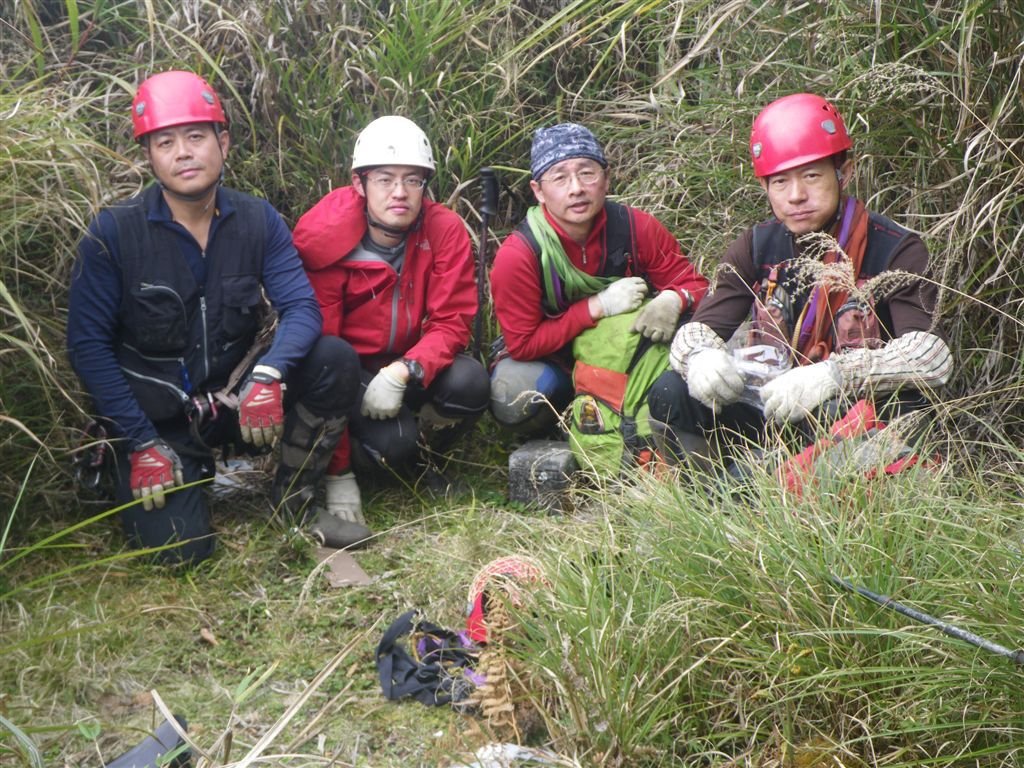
[
  {"x": 340, "y": 524},
  {"x": 306, "y": 447}
]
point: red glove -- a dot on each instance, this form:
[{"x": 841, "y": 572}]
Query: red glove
[
  {"x": 260, "y": 414},
  {"x": 155, "y": 468}
]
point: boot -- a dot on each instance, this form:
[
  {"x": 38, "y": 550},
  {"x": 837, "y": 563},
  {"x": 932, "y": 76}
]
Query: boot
[
  {"x": 306, "y": 447},
  {"x": 341, "y": 523}
]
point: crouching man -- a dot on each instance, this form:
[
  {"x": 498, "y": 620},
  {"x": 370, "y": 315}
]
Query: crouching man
[
  {"x": 393, "y": 271},
  {"x": 165, "y": 303},
  {"x": 836, "y": 341}
]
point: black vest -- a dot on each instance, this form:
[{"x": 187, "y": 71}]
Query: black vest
[
  {"x": 773, "y": 245},
  {"x": 178, "y": 338}
]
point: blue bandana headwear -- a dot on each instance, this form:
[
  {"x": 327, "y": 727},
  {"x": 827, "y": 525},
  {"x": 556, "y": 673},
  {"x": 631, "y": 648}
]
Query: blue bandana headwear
[{"x": 562, "y": 142}]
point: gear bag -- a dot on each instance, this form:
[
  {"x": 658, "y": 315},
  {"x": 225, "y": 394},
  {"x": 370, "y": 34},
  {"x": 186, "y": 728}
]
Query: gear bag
[
  {"x": 609, "y": 422},
  {"x": 434, "y": 666}
]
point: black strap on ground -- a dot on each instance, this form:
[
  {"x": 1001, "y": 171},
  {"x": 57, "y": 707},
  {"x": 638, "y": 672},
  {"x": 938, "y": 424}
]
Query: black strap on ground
[
  {"x": 1017, "y": 657},
  {"x": 429, "y": 680},
  {"x": 158, "y": 750}
]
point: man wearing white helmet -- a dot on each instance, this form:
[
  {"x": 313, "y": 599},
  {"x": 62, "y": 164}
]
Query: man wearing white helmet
[{"x": 393, "y": 271}]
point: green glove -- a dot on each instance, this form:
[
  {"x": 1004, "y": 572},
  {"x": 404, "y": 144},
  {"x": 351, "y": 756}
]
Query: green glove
[{"x": 657, "y": 321}]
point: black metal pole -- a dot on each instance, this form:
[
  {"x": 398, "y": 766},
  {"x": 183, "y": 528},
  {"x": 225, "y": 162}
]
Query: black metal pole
[
  {"x": 489, "y": 207},
  {"x": 1017, "y": 657}
]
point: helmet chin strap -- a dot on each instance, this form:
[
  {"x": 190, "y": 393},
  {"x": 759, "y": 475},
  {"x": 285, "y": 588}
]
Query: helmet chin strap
[{"x": 398, "y": 232}]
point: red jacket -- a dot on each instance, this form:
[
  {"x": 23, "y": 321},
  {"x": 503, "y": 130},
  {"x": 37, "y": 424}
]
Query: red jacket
[
  {"x": 517, "y": 290},
  {"x": 424, "y": 313}
]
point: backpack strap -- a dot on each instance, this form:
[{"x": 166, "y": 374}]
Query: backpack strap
[
  {"x": 770, "y": 238},
  {"x": 619, "y": 239}
]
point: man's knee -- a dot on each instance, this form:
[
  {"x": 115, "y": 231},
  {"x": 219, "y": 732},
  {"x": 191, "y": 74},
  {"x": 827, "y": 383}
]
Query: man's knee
[
  {"x": 667, "y": 397},
  {"x": 184, "y": 523},
  {"x": 328, "y": 377},
  {"x": 528, "y": 394},
  {"x": 463, "y": 389}
]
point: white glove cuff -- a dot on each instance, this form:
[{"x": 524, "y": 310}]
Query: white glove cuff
[
  {"x": 269, "y": 370},
  {"x": 386, "y": 375},
  {"x": 670, "y": 297}
]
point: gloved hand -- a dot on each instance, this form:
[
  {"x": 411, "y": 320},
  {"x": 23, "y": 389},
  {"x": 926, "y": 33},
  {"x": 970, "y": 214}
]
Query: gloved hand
[
  {"x": 713, "y": 378},
  {"x": 155, "y": 468},
  {"x": 796, "y": 393},
  {"x": 384, "y": 393},
  {"x": 657, "y": 321},
  {"x": 624, "y": 295},
  {"x": 260, "y": 413}
]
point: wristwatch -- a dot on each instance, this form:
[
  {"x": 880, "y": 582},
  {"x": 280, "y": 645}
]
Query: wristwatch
[{"x": 415, "y": 370}]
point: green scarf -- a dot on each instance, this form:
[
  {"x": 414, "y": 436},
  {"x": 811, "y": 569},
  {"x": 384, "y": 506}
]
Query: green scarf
[{"x": 564, "y": 284}]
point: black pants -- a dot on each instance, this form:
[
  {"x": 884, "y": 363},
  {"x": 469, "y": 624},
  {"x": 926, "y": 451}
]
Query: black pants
[
  {"x": 462, "y": 391},
  {"x": 326, "y": 382},
  {"x": 674, "y": 413}
]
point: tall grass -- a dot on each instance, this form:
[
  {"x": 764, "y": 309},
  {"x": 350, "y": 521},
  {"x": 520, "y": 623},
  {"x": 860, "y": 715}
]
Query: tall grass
[{"x": 709, "y": 630}]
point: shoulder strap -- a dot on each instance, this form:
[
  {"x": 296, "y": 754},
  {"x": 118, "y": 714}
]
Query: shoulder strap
[
  {"x": 884, "y": 237},
  {"x": 524, "y": 231},
  {"x": 770, "y": 239},
  {"x": 619, "y": 244}
]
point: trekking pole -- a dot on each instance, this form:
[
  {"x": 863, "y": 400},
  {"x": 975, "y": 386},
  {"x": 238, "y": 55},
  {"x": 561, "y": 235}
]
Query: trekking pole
[
  {"x": 489, "y": 183},
  {"x": 1017, "y": 657}
]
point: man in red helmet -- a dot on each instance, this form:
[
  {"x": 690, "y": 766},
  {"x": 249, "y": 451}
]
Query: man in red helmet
[
  {"x": 165, "y": 307},
  {"x": 827, "y": 340},
  {"x": 393, "y": 271}
]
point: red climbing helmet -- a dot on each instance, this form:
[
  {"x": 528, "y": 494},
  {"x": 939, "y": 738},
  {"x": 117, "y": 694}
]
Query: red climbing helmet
[
  {"x": 508, "y": 574},
  {"x": 174, "y": 98},
  {"x": 795, "y": 130}
]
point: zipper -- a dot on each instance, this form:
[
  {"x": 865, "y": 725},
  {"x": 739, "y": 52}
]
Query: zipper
[
  {"x": 202, "y": 319},
  {"x": 396, "y": 296},
  {"x": 179, "y": 393}
]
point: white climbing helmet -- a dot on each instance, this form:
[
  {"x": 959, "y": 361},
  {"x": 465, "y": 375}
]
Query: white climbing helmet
[{"x": 392, "y": 140}]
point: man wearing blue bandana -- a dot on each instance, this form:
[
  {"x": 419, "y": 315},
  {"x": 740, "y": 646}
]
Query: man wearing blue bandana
[{"x": 576, "y": 258}]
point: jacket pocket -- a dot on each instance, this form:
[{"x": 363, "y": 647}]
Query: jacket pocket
[
  {"x": 159, "y": 318},
  {"x": 243, "y": 302}
]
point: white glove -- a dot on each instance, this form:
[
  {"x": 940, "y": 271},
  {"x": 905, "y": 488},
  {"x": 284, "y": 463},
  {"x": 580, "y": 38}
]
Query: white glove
[
  {"x": 383, "y": 397},
  {"x": 713, "y": 378},
  {"x": 796, "y": 393},
  {"x": 624, "y": 295},
  {"x": 657, "y": 321}
]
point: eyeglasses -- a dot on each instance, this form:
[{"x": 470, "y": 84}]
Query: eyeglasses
[
  {"x": 387, "y": 183},
  {"x": 587, "y": 177}
]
